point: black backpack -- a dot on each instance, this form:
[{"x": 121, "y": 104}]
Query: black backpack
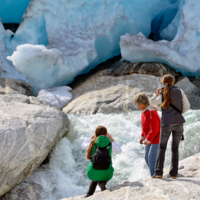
[{"x": 101, "y": 158}]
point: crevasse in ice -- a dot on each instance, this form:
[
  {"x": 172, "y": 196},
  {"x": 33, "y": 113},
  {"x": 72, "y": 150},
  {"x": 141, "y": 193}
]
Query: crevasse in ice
[
  {"x": 182, "y": 53},
  {"x": 84, "y": 32}
]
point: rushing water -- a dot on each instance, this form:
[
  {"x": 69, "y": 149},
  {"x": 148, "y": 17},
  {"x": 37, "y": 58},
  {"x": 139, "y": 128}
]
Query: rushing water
[{"x": 65, "y": 175}]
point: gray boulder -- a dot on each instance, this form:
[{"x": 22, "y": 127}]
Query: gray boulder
[
  {"x": 185, "y": 187},
  {"x": 191, "y": 91},
  {"x": 149, "y": 68},
  {"x": 188, "y": 87},
  {"x": 195, "y": 80},
  {"x": 116, "y": 67},
  {"x": 12, "y": 86},
  {"x": 29, "y": 129},
  {"x": 108, "y": 94}
]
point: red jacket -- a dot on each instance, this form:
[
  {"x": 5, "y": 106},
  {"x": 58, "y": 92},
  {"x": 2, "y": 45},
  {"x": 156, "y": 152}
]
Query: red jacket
[{"x": 150, "y": 122}]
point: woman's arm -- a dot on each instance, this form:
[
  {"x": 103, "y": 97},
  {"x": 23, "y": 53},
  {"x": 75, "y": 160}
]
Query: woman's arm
[
  {"x": 185, "y": 102},
  {"x": 86, "y": 143},
  {"x": 116, "y": 148},
  {"x": 156, "y": 100}
]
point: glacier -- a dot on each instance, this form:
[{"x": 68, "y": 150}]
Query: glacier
[
  {"x": 6, "y": 69},
  {"x": 84, "y": 32},
  {"x": 11, "y": 11},
  {"x": 180, "y": 50}
]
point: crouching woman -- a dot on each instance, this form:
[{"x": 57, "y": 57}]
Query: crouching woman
[
  {"x": 150, "y": 122},
  {"x": 99, "y": 151}
]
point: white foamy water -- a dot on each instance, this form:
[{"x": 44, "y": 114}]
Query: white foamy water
[{"x": 65, "y": 175}]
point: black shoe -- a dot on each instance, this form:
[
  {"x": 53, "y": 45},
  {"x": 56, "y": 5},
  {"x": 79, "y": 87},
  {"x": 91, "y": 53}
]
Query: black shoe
[
  {"x": 102, "y": 185},
  {"x": 92, "y": 188},
  {"x": 87, "y": 195}
]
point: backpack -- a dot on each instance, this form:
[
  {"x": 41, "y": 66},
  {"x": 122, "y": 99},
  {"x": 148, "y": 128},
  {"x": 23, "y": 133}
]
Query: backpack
[{"x": 101, "y": 158}]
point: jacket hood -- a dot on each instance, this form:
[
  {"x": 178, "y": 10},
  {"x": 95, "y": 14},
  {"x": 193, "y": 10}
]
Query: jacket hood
[
  {"x": 102, "y": 141},
  {"x": 151, "y": 108}
]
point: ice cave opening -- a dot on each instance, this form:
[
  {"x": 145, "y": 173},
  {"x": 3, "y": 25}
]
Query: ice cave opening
[
  {"x": 160, "y": 22},
  {"x": 11, "y": 26}
]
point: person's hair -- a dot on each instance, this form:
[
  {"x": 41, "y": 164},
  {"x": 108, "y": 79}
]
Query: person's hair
[
  {"x": 141, "y": 98},
  {"x": 167, "y": 80},
  {"x": 100, "y": 130}
]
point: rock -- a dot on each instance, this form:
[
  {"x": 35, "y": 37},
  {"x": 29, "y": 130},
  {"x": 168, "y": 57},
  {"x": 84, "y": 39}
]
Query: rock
[
  {"x": 29, "y": 129},
  {"x": 24, "y": 191},
  {"x": 186, "y": 187},
  {"x": 149, "y": 68},
  {"x": 121, "y": 68},
  {"x": 187, "y": 86},
  {"x": 108, "y": 94},
  {"x": 112, "y": 85},
  {"x": 12, "y": 86},
  {"x": 115, "y": 67},
  {"x": 57, "y": 97},
  {"x": 192, "y": 92},
  {"x": 195, "y": 80}
]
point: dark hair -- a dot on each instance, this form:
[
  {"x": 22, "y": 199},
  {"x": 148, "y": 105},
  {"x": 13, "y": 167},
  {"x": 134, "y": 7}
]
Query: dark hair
[
  {"x": 167, "y": 80},
  {"x": 100, "y": 130}
]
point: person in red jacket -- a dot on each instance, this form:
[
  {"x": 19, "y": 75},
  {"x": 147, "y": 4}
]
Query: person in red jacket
[{"x": 150, "y": 122}]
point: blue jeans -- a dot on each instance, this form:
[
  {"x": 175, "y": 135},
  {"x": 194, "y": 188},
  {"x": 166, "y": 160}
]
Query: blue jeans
[{"x": 151, "y": 152}]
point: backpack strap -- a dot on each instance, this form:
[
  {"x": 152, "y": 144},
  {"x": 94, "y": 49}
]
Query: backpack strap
[
  {"x": 109, "y": 145},
  {"x": 174, "y": 107},
  {"x": 106, "y": 147}
]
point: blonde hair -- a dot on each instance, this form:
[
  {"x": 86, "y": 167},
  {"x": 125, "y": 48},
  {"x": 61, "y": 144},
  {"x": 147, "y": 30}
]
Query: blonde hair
[
  {"x": 167, "y": 80},
  {"x": 100, "y": 130},
  {"x": 141, "y": 98}
]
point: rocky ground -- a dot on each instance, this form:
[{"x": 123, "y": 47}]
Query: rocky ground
[
  {"x": 185, "y": 187},
  {"x": 29, "y": 130},
  {"x": 111, "y": 87}
]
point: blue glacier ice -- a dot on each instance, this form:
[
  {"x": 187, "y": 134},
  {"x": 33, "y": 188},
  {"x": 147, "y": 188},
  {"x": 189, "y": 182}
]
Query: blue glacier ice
[
  {"x": 11, "y": 11},
  {"x": 7, "y": 70},
  {"x": 84, "y": 32},
  {"x": 180, "y": 51}
]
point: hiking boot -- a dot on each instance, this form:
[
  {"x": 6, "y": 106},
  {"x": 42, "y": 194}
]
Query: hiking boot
[
  {"x": 173, "y": 177},
  {"x": 157, "y": 176},
  {"x": 87, "y": 195},
  {"x": 102, "y": 185}
]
